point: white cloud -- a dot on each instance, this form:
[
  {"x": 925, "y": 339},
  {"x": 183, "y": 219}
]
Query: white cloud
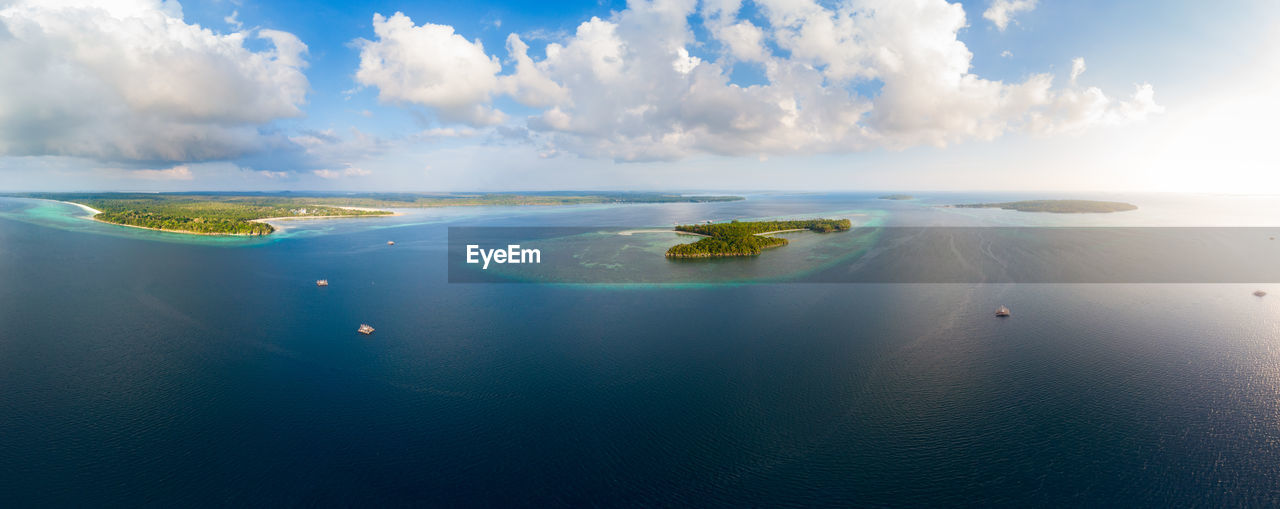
[
  {"x": 448, "y": 132},
  {"x": 1001, "y": 12},
  {"x": 631, "y": 88},
  {"x": 1077, "y": 68},
  {"x": 131, "y": 81},
  {"x": 684, "y": 64},
  {"x": 1073, "y": 111},
  {"x": 1006, "y": 54},
  {"x": 180, "y": 172},
  {"x": 529, "y": 83},
  {"x": 432, "y": 66},
  {"x": 349, "y": 171},
  {"x": 328, "y": 145}
]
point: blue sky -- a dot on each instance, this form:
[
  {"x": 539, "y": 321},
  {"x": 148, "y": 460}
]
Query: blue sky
[{"x": 1069, "y": 95}]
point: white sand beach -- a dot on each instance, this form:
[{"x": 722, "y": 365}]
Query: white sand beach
[{"x": 92, "y": 211}]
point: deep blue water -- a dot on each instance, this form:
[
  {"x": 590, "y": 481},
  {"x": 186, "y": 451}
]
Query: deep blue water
[{"x": 140, "y": 368}]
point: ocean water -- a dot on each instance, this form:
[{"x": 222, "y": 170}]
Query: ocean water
[{"x": 143, "y": 368}]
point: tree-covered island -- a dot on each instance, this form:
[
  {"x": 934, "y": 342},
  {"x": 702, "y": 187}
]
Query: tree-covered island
[
  {"x": 242, "y": 213},
  {"x": 743, "y": 238},
  {"x": 898, "y": 197},
  {"x": 1056, "y": 206},
  {"x": 204, "y": 214}
]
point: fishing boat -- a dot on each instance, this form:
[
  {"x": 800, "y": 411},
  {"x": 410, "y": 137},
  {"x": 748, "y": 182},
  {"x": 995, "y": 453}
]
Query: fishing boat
[
  {"x": 322, "y": 282},
  {"x": 1260, "y": 293},
  {"x": 365, "y": 329},
  {"x": 1003, "y": 311}
]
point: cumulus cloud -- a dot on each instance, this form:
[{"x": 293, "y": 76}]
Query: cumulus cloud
[
  {"x": 641, "y": 85},
  {"x": 1001, "y": 12},
  {"x": 430, "y": 65},
  {"x": 131, "y": 81},
  {"x": 1073, "y": 111}
]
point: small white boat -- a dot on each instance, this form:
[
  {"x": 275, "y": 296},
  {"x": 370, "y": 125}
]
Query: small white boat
[
  {"x": 1003, "y": 311},
  {"x": 365, "y": 329},
  {"x": 391, "y": 242},
  {"x": 322, "y": 282}
]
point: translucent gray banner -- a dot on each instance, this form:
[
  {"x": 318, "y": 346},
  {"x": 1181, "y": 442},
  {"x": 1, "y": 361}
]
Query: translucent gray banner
[{"x": 613, "y": 255}]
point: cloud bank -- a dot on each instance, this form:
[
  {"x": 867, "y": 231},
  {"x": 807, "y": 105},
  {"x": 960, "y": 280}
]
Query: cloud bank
[
  {"x": 130, "y": 81},
  {"x": 641, "y": 86}
]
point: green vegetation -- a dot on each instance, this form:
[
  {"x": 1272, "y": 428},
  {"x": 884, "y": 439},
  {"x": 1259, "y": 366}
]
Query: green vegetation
[
  {"x": 235, "y": 213},
  {"x": 201, "y": 214},
  {"x": 1057, "y": 206},
  {"x": 897, "y": 197},
  {"x": 737, "y": 238}
]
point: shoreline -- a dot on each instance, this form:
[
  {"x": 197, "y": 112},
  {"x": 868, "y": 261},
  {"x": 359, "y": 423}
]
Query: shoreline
[
  {"x": 93, "y": 213},
  {"x": 184, "y": 232},
  {"x": 629, "y": 233}
]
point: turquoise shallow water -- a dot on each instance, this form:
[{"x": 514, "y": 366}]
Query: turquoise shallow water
[{"x": 147, "y": 368}]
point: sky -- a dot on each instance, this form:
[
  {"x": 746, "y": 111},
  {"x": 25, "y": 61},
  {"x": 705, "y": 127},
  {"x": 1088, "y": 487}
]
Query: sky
[{"x": 680, "y": 95}]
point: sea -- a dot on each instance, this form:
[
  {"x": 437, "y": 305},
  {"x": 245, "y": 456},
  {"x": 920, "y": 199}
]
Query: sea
[{"x": 142, "y": 368}]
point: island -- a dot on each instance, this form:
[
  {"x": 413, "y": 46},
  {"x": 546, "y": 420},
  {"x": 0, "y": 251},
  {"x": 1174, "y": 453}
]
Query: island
[
  {"x": 1056, "y": 206},
  {"x": 248, "y": 213},
  {"x": 897, "y": 197},
  {"x": 746, "y": 238},
  {"x": 204, "y": 214}
]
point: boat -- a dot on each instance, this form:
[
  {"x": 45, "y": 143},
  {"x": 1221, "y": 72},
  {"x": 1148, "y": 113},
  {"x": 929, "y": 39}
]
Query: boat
[
  {"x": 391, "y": 242},
  {"x": 365, "y": 329},
  {"x": 1003, "y": 311},
  {"x": 322, "y": 282},
  {"x": 1260, "y": 293}
]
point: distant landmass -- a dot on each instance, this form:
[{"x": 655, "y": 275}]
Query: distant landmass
[
  {"x": 246, "y": 213},
  {"x": 741, "y": 238},
  {"x": 897, "y": 197},
  {"x": 1056, "y": 206},
  {"x": 204, "y": 214},
  {"x": 408, "y": 200}
]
